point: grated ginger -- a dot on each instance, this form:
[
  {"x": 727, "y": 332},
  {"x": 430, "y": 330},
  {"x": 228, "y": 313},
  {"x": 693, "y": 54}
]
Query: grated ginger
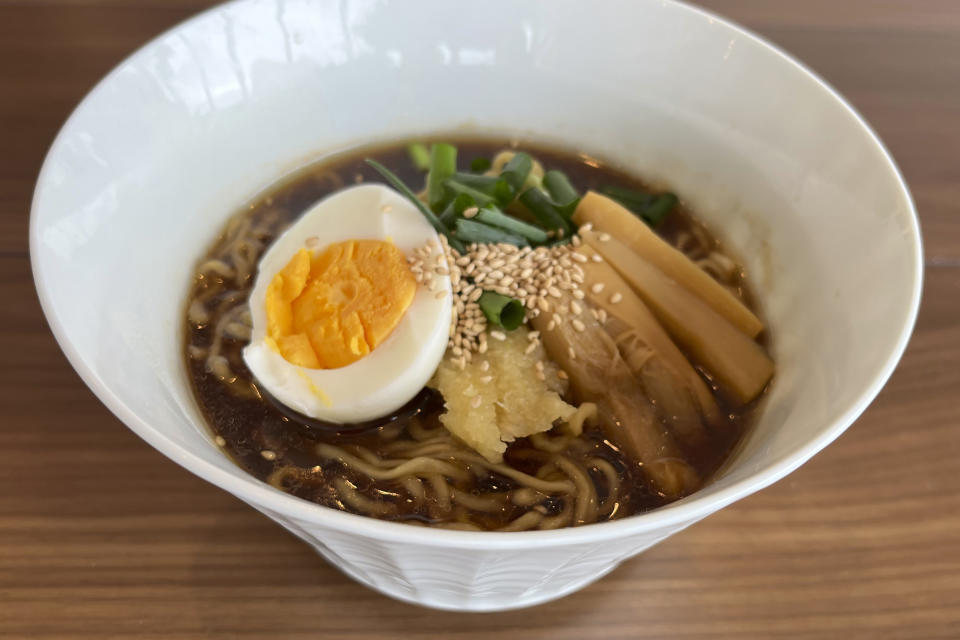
[{"x": 488, "y": 406}]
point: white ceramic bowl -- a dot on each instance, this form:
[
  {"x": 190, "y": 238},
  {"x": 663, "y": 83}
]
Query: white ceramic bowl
[{"x": 147, "y": 168}]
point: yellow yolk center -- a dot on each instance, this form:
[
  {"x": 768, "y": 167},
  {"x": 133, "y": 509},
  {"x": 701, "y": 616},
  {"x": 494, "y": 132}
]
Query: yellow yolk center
[{"x": 330, "y": 310}]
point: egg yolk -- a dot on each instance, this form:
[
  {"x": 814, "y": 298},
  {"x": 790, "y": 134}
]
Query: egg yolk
[{"x": 330, "y": 310}]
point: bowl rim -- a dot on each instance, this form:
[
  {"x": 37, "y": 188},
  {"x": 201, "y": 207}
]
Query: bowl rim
[{"x": 681, "y": 513}]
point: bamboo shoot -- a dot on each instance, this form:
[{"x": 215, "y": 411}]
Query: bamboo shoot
[
  {"x": 609, "y": 216},
  {"x": 731, "y": 356},
  {"x": 667, "y": 375}
]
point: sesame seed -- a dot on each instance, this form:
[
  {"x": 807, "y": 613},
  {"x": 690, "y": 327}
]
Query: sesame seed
[
  {"x": 540, "y": 278},
  {"x": 541, "y": 376},
  {"x": 268, "y": 455},
  {"x": 312, "y": 242},
  {"x": 579, "y": 326},
  {"x": 604, "y": 237},
  {"x": 530, "y": 347},
  {"x": 539, "y": 365},
  {"x": 498, "y": 335},
  {"x": 572, "y": 353},
  {"x": 470, "y": 212},
  {"x": 598, "y": 287},
  {"x": 485, "y": 365},
  {"x": 586, "y": 227},
  {"x": 220, "y": 441},
  {"x": 551, "y": 325},
  {"x": 597, "y": 257},
  {"x": 476, "y": 402},
  {"x": 616, "y": 297},
  {"x": 533, "y": 335},
  {"x": 602, "y": 316},
  {"x": 562, "y": 374},
  {"x": 486, "y": 379},
  {"x": 440, "y": 295}
]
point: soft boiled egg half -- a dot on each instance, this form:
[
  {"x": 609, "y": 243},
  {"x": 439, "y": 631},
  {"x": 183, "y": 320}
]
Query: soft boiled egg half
[{"x": 341, "y": 330}]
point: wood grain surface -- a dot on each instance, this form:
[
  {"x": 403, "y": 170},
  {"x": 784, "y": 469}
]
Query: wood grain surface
[{"x": 102, "y": 537}]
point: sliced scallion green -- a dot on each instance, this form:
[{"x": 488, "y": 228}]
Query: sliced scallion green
[
  {"x": 493, "y": 186},
  {"x": 501, "y": 311},
  {"x": 480, "y": 164},
  {"x": 651, "y": 207},
  {"x": 561, "y": 191},
  {"x": 630, "y": 198},
  {"x": 659, "y": 209},
  {"x": 496, "y": 218},
  {"x": 443, "y": 164},
  {"x": 398, "y": 184},
  {"x": 469, "y": 231},
  {"x": 419, "y": 155},
  {"x": 515, "y": 172},
  {"x": 546, "y": 213},
  {"x": 455, "y": 209},
  {"x": 455, "y": 188}
]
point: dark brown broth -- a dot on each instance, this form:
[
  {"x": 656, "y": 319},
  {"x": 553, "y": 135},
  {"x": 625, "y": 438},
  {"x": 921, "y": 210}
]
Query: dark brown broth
[{"x": 250, "y": 425}]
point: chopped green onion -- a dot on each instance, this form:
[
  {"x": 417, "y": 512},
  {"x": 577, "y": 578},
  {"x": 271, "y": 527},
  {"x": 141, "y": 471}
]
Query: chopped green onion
[
  {"x": 515, "y": 172},
  {"x": 455, "y": 209},
  {"x": 629, "y": 198},
  {"x": 398, "y": 184},
  {"x": 455, "y": 188},
  {"x": 481, "y": 164},
  {"x": 561, "y": 191},
  {"x": 658, "y": 210},
  {"x": 501, "y": 311},
  {"x": 652, "y": 208},
  {"x": 496, "y": 218},
  {"x": 493, "y": 186},
  {"x": 443, "y": 164},
  {"x": 545, "y": 211},
  {"x": 469, "y": 231},
  {"x": 419, "y": 155},
  {"x": 479, "y": 182}
]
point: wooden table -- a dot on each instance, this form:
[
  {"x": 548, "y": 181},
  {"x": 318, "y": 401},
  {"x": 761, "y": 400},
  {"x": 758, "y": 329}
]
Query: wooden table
[{"x": 102, "y": 537}]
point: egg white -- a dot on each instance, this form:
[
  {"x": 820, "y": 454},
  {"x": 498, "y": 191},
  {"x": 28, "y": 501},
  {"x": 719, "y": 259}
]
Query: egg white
[{"x": 396, "y": 370}]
